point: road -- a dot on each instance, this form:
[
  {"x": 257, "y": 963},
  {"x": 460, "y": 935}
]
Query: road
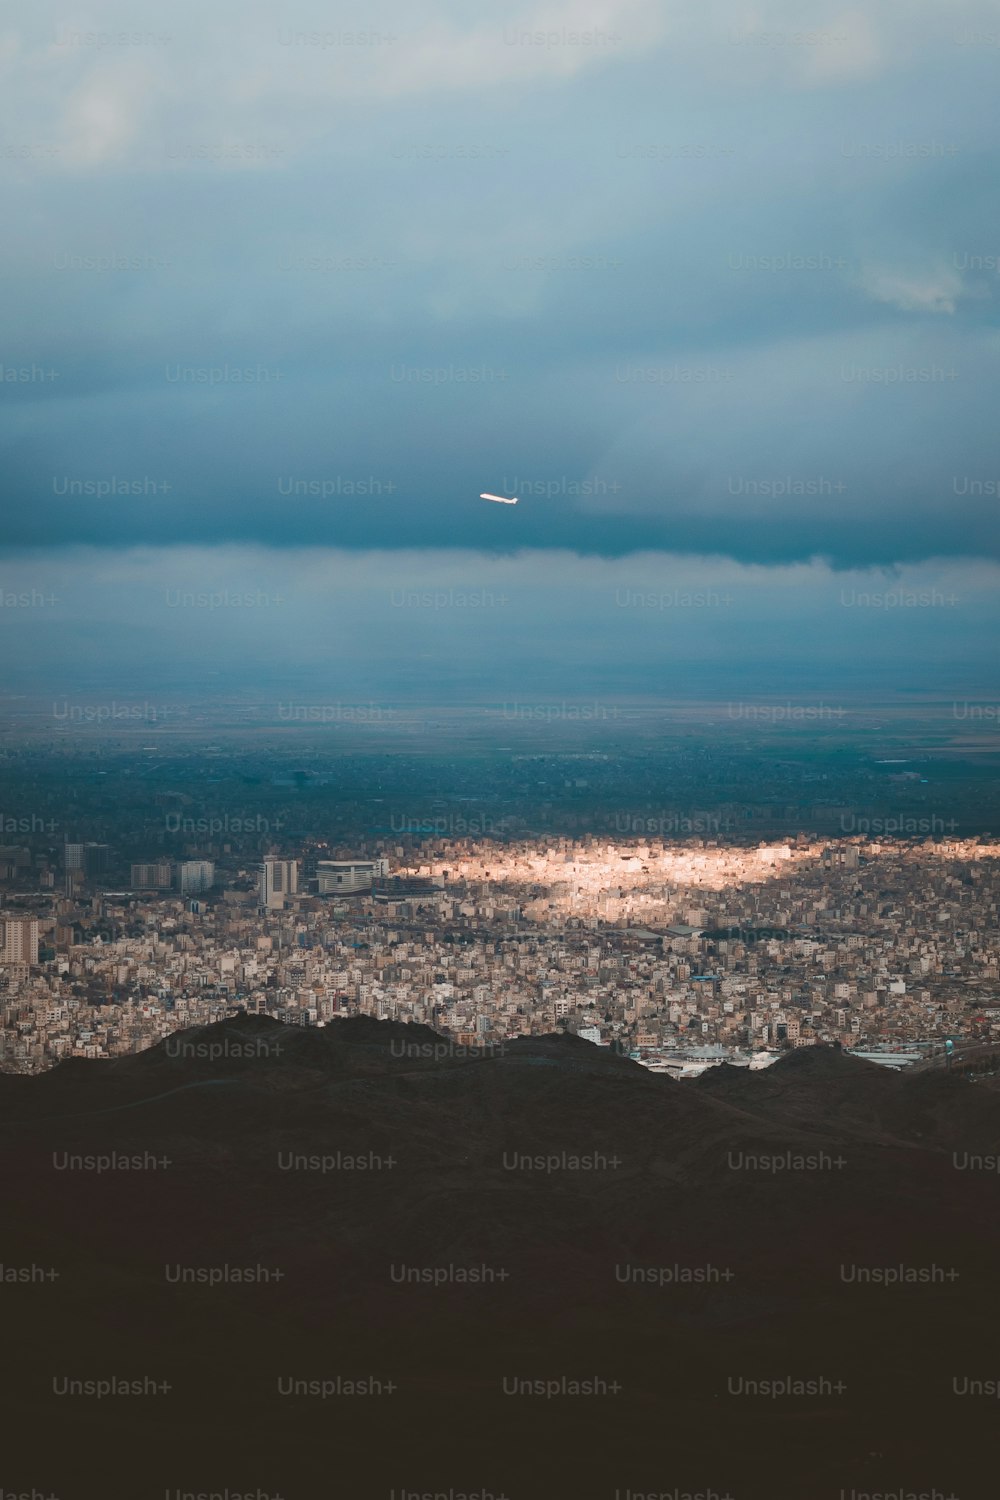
[{"x": 963, "y": 1054}]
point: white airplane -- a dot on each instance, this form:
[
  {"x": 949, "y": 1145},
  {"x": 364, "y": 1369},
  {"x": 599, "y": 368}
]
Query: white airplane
[{"x": 502, "y": 499}]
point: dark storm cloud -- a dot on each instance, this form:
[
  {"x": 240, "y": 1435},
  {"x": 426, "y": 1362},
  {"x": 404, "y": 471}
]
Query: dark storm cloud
[{"x": 688, "y": 292}]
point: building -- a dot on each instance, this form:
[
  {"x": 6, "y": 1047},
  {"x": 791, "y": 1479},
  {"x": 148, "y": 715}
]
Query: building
[
  {"x": 13, "y": 862},
  {"x": 279, "y": 878},
  {"x": 20, "y": 940},
  {"x": 96, "y": 859},
  {"x": 87, "y": 860},
  {"x": 154, "y": 877},
  {"x": 194, "y": 875},
  {"x": 346, "y": 877}
]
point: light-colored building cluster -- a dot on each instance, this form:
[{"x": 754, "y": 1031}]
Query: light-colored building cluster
[{"x": 658, "y": 947}]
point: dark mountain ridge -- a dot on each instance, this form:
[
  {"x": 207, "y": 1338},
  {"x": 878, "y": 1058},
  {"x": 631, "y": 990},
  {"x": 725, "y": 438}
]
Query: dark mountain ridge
[{"x": 546, "y": 1210}]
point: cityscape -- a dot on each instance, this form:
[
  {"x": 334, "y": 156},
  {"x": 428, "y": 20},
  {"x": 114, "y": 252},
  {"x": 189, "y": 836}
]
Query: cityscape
[
  {"x": 674, "y": 952},
  {"x": 499, "y": 750}
]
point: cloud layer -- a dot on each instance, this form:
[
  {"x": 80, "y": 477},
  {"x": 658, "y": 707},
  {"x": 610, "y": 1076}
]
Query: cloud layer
[
  {"x": 424, "y": 625},
  {"x": 715, "y": 281}
]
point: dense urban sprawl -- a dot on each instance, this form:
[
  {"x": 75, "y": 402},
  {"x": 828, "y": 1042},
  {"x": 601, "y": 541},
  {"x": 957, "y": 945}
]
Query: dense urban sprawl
[{"x": 671, "y": 951}]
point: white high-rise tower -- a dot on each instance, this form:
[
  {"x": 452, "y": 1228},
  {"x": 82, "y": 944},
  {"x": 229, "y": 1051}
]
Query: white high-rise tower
[{"x": 279, "y": 878}]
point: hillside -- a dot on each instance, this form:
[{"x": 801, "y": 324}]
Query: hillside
[{"x": 673, "y": 1237}]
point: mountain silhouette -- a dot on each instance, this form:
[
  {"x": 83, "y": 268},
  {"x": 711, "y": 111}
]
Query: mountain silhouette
[{"x": 455, "y": 1222}]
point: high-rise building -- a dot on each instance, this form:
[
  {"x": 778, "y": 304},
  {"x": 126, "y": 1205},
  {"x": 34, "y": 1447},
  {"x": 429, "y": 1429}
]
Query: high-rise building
[
  {"x": 13, "y": 862},
  {"x": 20, "y": 940},
  {"x": 96, "y": 859},
  {"x": 279, "y": 878},
  {"x": 346, "y": 877},
  {"x": 195, "y": 875},
  {"x": 88, "y": 859},
  {"x": 152, "y": 877}
]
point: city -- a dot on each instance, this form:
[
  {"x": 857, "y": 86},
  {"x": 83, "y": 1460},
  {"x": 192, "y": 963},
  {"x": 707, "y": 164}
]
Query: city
[
  {"x": 499, "y": 751},
  {"x": 674, "y": 952}
]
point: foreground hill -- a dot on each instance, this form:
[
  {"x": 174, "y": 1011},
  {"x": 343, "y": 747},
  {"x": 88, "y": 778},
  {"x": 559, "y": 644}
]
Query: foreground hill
[
  {"x": 450, "y": 1223},
  {"x": 820, "y": 1088}
]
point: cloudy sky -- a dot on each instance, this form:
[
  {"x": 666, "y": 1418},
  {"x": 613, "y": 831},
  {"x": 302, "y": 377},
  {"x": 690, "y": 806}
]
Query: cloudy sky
[{"x": 713, "y": 288}]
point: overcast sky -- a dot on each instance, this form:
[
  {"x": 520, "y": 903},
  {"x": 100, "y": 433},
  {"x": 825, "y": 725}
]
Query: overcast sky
[{"x": 712, "y": 281}]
